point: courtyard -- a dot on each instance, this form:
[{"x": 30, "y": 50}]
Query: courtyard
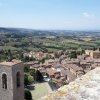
[{"x": 39, "y": 90}]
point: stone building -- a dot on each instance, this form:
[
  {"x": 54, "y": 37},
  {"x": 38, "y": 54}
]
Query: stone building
[
  {"x": 93, "y": 54},
  {"x": 11, "y": 80}
]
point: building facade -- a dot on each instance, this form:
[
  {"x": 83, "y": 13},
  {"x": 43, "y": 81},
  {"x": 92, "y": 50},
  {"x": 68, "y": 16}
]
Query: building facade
[
  {"x": 11, "y": 80},
  {"x": 93, "y": 54}
]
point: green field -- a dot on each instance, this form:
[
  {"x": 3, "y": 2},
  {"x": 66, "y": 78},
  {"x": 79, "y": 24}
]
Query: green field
[
  {"x": 37, "y": 42},
  {"x": 40, "y": 90}
]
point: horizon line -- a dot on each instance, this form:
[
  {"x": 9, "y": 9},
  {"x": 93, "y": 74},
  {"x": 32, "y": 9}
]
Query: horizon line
[{"x": 52, "y": 29}]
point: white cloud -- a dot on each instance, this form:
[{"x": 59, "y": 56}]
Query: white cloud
[{"x": 88, "y": 15}]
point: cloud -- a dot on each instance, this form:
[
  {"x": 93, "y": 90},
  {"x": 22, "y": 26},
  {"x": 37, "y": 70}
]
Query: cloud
[{"x": 88, "y": 15}]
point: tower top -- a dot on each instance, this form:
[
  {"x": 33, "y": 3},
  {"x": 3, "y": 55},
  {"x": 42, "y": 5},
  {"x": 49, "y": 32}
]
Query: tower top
[
  {"x": 10, "y": 63},
  {"x": 11, "y": 80}
]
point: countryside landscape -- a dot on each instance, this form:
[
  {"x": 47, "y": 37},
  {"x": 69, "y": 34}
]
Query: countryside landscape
[
  {"x": 46, "y": 53},
  {"x": 49, "y": 50},
  {"x": 47, "y": 41}
]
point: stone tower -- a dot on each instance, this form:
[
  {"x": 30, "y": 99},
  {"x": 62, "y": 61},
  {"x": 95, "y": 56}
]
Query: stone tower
[{"x": 11, "y": 80}]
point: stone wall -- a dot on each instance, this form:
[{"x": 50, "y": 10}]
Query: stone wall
[
  {"x": 18, "y": 92},
  {"x": 12, "y": 92},
  {"x": 6, "y": 94}
]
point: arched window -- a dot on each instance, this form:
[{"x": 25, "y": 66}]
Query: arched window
[
  {"x": 4, "y": 81},
  {"x": 18, "y": 79}
]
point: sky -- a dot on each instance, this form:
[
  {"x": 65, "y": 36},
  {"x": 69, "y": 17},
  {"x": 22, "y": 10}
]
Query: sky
[{"x": 51, "y": 14}]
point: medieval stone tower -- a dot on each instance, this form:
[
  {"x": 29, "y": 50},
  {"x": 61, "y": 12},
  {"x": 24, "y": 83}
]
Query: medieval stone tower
[{"x": 11, "y": 80}]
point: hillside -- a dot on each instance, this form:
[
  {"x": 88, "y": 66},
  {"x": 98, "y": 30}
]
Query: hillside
[{"x": 47, "y": 40}]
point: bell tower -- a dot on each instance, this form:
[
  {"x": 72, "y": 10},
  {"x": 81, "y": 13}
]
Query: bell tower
[{"x": 11, "y": 80}]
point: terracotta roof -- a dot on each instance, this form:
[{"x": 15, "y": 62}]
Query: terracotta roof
[
  {"x": 73, "y": 66},
  {"x": 68, "y": 73},
  {"x": 50, "y": 71}
]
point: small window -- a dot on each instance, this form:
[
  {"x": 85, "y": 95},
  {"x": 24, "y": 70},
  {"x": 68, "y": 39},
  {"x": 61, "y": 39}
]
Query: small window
[
  {"x": 4, "y": 81},
  {"x": 18, "y": 79}
]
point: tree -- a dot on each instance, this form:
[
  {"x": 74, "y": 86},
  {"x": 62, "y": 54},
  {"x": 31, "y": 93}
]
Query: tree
[
  {"x": 28, "y": 79},
  {"x": 42, "y": 60},
  {"x": 39, "y": 77},
  {"x": 56, "y": 55},
  {"x": 94, "y": 48},
  {"x": 21, "y": 55},
  {"x": 32, "y": 73},
  {"x": 27, "y": 95},
  {"x": 26, "y": 68},
  {"x": 32, "y": 59},
  {"x": 26, "y": 59},
  {"x": 26, "y": 82},
  {"x": 83, "y": 51},
  {"x": 73, "y": 54},
  {"x": 10, "y": 57}
]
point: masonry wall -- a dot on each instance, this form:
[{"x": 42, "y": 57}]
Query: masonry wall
[
  {"x": 6, "y": 94},
  {"x": 13, "y": 92},
  {"x": 18, "y": 92}
]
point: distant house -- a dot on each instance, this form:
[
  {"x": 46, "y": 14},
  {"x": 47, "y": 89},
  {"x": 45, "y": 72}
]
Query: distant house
[
  {"x": 51, "y": 61},
  {"x": 93, "y": 54},
  {"x": 52, "y": 73},
  {"x": 74, "y": 69},
  {"x": 36, "y": 55}
]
